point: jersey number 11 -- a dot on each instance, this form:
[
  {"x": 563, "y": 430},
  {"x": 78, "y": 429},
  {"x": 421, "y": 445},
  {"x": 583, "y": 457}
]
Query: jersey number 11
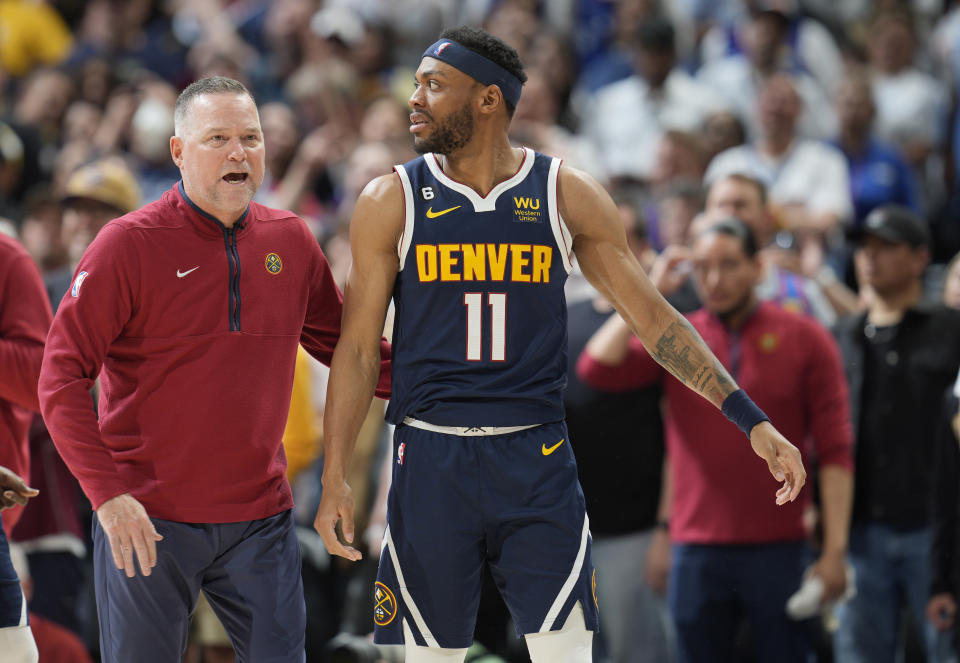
[{"x": 497, "y": 301}]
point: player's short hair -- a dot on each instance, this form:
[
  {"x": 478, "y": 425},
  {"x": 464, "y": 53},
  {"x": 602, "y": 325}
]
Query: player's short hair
[
  {"x": 734, "y": 227},
  {"x": 490, "y": 47},
  {"x": 211, "y": 85}
]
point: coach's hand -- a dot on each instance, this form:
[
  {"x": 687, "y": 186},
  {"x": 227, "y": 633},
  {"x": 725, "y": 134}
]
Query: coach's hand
[
  {"x": 336, "y": 504},
  {"x": 13, "y": 490},
  {"x": 782, "y": 458},
  {"x": 128, "y": 529}
]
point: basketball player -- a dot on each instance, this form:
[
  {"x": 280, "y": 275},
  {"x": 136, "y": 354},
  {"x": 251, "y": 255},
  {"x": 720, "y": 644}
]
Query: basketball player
[{"x": 473, "y": 241}]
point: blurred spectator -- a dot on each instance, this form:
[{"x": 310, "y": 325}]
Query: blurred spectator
[
  {"x": 677, "y": 206},
  {"x": 54, "y": 643},
  {"x": 38, "y": 112},
  {"x": 386, "y": 119},
  {"x": 911, "y": 106},
  {"x": 81, "y": 121},
  {"x": 33, "y": 34},
  {"x": 737, "y": 77},
  {"x": 40, "y": 229},
  {"x": 740, "y": 557},
  {"x": 809, "y": 45},
  {"x": 951, "y": 284},
  {"x": 878, "y": 173},
  {"x": 134, "y": 34},
  {"x": 536, "y": 123},
  {"x": 900, "y": 357},
  {"x": 721, "y": 131},
  {"x": 151, "y": 127},
  {"x": 746, "y": 199},
  {"x": 626, "y": 119},
  {"x": 807, "y": 180},
  {"x": 94, "y": 195}
]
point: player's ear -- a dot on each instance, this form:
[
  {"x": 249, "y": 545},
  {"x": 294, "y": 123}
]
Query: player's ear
[{"x": 491, "y": 99}]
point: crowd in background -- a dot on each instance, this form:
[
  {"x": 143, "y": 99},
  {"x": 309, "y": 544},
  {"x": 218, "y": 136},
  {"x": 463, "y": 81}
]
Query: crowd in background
[{"x": 824, "y": 110}]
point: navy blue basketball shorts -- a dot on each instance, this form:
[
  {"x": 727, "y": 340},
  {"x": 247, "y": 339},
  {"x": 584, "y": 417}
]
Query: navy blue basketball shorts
[
  {"x": 512, "y": 501},
  {"x": 249, "y": 571},
  {"x": 13, "y": 607}
]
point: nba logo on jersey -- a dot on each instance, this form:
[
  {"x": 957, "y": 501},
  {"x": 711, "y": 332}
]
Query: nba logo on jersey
[{"x": 400, "y": 453}]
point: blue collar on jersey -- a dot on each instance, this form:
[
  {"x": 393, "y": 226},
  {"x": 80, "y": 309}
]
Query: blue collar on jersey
[{"x": 473, "y": 64}]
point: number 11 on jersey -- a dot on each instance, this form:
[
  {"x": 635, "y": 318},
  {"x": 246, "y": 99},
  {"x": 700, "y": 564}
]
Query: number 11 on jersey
[{"x": 497, "y": 301}]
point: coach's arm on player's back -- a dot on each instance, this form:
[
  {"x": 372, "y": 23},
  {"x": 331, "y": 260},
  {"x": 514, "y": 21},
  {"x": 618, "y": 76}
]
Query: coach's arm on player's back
[{"x": 599, "y": 243}]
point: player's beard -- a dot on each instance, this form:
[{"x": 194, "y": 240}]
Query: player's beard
[{"x": 449, "y": 134}]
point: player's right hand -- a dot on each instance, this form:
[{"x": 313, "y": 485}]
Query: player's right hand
[
  {"x": 336, "y": 504},
  {"x": 129, "y": 530}
]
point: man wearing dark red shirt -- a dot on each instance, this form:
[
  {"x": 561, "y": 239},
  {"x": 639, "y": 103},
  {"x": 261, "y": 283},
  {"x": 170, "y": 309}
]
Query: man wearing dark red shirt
[
  {"x": 734, "y": 555},
  {"x": 24, "y": 319},
  {"x": 193, "y": 306}
]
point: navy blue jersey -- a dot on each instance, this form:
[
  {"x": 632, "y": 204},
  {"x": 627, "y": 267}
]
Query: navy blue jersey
[{"x": 480, "y": 328}]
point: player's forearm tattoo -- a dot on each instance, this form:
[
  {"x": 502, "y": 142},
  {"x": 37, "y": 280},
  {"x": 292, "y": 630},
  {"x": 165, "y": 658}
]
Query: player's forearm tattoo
[{"x": 682, "y": 352}]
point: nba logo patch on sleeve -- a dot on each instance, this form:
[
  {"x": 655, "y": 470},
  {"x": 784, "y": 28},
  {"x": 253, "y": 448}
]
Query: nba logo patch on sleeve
[{"x": 75, "y": 290}]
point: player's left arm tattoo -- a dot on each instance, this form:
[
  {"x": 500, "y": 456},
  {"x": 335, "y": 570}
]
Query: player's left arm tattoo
[{"x": 682, "y": 352}]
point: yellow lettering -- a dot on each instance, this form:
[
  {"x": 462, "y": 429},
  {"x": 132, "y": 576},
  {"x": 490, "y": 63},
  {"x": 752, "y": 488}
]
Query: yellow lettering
[
  {"x": 497, "y": 254},
  {"x": 520, "y": 202},
  {"x": 448, "y": 261},
  {"x": 427, "y": 262},
  {"x": 542, "y": 257},
  {"x": 518, "y": 262},
  {"x": 535, "y": 204},
  {"x": 474, "y": 265}
]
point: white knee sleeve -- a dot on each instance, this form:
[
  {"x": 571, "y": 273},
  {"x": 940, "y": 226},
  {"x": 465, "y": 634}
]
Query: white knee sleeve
[
  {"x": 17, "y": 645},
  {"x": 417, "y": 654},
  {"x": 571, "y": 644}
]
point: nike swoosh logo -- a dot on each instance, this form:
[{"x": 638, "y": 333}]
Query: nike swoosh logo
[
  {"x": 432, "y": 215},
  {"x": 549, "y": 450},
  {"x": 180, "y": 274}
]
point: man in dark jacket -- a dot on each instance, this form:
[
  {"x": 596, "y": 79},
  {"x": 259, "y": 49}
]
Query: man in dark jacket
[{"x": 900, "y": 357}]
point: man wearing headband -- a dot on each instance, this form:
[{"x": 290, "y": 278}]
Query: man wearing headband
[{"x": 473, "y": 241}]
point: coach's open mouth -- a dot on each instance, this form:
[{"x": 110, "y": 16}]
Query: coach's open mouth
[{"x": 235, "y": 178}]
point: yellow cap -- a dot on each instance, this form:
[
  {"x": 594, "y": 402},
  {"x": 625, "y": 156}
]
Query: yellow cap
[{"x": 106, "y": 181}]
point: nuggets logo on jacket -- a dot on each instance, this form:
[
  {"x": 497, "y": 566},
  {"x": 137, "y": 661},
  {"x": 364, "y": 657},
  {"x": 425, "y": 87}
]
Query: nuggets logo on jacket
[
  {"x": 273, "y": 263},
  {"x": 385, "y": 604}
]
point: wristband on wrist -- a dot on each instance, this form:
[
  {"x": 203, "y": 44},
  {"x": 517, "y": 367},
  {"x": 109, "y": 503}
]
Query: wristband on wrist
[{"x": 738, "y": 408}]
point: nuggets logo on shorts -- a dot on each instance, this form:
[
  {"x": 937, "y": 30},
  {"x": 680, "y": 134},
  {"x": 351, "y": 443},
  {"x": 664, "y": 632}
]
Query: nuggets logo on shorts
[
  {"x": 273, "y": 263},
  {"x": 385, "y": 604}
]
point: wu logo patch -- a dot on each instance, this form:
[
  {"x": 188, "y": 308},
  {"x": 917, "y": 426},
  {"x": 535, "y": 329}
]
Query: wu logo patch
[
  {"x": 75, "y": 290},
  {"x": 527, "y": 210},
  {"x": 273, "y": 263},
  {"x": 384, "y": 604}
]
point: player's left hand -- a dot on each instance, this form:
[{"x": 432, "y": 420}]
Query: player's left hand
[
  {"x": 782, "y": 458},
  {"x": 13, "y": 490}
]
